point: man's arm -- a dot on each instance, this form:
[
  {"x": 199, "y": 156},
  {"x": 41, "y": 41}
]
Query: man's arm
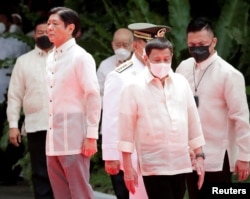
[
  {"x": 15, "y": 98},
  {"x": 111, "y": 98},
  {"x": 236, "y": 100},
  {"x": 91, "y": 89},
  {"x": 86, "y": 72}
]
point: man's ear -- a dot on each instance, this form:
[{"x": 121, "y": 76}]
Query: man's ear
[
  {"x": 214, "y": 41},
  {"x": 71, "y": 28},
  {"x": 146, "y": 60}
]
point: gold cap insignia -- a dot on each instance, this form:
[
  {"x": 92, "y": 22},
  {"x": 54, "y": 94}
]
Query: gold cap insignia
[{"x": 161, "y": 32}]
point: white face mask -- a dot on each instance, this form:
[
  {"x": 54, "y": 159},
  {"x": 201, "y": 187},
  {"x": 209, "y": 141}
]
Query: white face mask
[
  {"x": 15, "y": 29},
  {"x": 122, "y": 54},
  {"x": 160, "y": 70},
  {"x": 2, "y": 28}
]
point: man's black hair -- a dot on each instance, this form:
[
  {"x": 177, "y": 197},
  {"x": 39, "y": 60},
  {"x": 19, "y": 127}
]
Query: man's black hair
[
  {"x": 41, "y": 20},
  {"x": 68, "y": 16},
  {"x": 159, "y": 44},
  {"x": 200, "y": 23}
]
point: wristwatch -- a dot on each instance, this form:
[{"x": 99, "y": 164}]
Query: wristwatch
[{"x": 202, "y": 155}]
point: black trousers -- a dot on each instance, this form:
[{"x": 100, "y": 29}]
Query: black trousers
[
  {"x": 9, "y": 173},
  {"x": 40, "y": 179},
  {"x": 165, "y": 186},
  {"x": 224, "y": 176},
  {"x": 119, "y": 186}
]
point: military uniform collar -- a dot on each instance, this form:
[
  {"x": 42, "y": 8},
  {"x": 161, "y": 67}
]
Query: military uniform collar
[{"x": 122, "y": 67}]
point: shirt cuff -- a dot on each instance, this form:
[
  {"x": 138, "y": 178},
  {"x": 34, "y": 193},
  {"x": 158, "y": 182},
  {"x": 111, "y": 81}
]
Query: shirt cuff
[
  {"x": 244, "y": 157},
  {"x": 92, "y": 132},
  {"x": 125, "y": 146},
  {"x": 13, "y": 124},
  {"x": 197, "y": 142}
]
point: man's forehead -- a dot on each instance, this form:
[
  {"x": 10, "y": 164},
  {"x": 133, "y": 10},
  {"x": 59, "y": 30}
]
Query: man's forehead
[{"x": 122, "y": 38}]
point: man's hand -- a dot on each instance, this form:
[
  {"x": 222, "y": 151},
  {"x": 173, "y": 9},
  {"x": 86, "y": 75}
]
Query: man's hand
[
  {"x": 89, "y": 147},
  {"x": 199, "y": 166},
  {"x": 242, "y": 170},
  {"x": 112, "y": 167},
  {"x": 192, "y": 157},
  {"x": 131, "y": 179},
  {"x": 130, "y": 175},
  {"x": 15, "y": 136}
]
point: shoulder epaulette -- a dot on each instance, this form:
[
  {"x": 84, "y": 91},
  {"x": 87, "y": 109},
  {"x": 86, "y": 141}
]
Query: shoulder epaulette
[{"x": 124, "y": 66}]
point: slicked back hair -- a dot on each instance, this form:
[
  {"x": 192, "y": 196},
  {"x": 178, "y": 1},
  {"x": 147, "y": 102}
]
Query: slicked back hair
[
  {"x": 68, "y": 16},
  {"x": 41, "y": 20},
  {"x": 159, "y": 44}
]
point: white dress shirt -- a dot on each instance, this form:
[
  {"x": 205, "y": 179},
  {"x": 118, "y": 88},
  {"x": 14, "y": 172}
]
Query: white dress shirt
[
  {"x": 74, "y": 99},
  {"x": 106, "y": 66},
  {"x": 27, "y": 90},
  {"x": 223, "y": 109},
  {"x": 161, "y": 122}
]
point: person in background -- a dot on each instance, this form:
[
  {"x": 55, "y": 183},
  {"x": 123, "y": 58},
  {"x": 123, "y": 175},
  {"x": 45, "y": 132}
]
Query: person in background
[
  {"x": 122, "y": 46},
  {"x": 158, "y": 117},
  {"x": 27, "y": 92},
  {"x": 74, "y": 108},
  {"x": 16, "y": 26},
  {"x": 220, "y": 94},
  {"x": 112, "y": 89},
  {"x": 5, "y": 20},
  {"x": 11, "y": 48}
]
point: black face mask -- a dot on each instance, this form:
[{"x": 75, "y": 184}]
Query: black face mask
[
  {"x": 199, "y": 53},
  {"x": 43, "y": 42}
]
